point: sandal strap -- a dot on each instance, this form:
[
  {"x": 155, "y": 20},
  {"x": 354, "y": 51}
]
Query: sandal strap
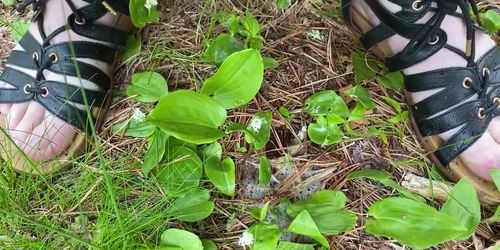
[
  {"x": 72, "y": 103},
  {"x": 448, "y": 108}
]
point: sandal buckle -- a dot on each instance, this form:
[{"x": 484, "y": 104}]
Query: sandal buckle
[{"x": 109, "y": 8}]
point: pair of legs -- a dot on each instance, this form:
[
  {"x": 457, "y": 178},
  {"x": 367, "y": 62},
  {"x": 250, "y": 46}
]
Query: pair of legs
[{"x": 43, "y": 136}]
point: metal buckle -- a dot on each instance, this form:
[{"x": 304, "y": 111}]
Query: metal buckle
[{"x": 109, "y": 8}]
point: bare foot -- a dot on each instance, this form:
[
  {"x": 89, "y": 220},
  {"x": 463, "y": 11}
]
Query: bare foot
[
  {"x": 484, "y": 154},
  {"x": 37, "y": 131}
]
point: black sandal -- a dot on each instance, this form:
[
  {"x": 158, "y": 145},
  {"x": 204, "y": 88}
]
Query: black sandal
[
  {"x": 481, "y": 77},
  {"x": 66, "y": 101}
]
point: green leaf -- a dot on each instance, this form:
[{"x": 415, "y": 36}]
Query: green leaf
[
  {"x": 132, "y": 47},
  {"x": 180, "y": 238},
  {"x": 134, "y": 128},
  {"x": 140, "y": 15},
  {"x": 189, "y": 116},
  {"x": 147, "y": 87},
  {"x": 283, "y": 4},
  {"x": 404, "y": 116},
  {"x": 412, "y": 223},
  {"x": 364, "y": 69},
  {"x": 361, "y": 95},
  {"x": 491, "y": 21},
  {"x": 18, "y": 29},
  {"x": 210, "y": 150},
  {"x": 260, "y": 213},
  {"x": 192, "y": 207},
  {"x": 324, "y": 103},
  {"x": 384, "y": 178},
  {"x": 259, "y": 129},
  {"x": 285, "y": 245},
  {"x": 463, "y": 205},
  {"x": 285, "y": 113},
  {"x": 358, "y": 113},
  {"x": 394, "y": 80},
  {"x": 269, "y": 62},
  {"x": 156, "y": 149},
  {"x": 9, "y": 2},
  {"x": 325, "y": 131},
  {"x": 495, "y": 175},
  {"x": 208, "y": 245},
  {"x": 335, "y": 222},
  {"x": 181, "y": 173},
  {"x": 304, "y": 224},
  {"x": 266, "y": 236},
  {"x": 394, "y": 104},
  {"x": 230, "y": 20},
  {"x": 319, "y": 203},
  {"x": 221, "y": 174},
  {"x": 221, "y": 47},
  {"x": 495, "y": 217},
  {"x": 251, "y": 25},
  {"x": 265, "y": 171},
  {"x": 238, "y": 79}
]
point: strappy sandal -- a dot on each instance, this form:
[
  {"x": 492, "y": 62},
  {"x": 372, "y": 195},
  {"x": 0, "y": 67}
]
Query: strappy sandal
[
  {"x": 480, "y": 77},
  {"x": 80, "y": 105}
]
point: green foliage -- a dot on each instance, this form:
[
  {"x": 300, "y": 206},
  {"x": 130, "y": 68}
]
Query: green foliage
[
  {"x": 260, "y": 213},
  {"x": 180, "y": 239},
  {"x": 19, "y": 28},
  {"x": 181, "y": 173},
  {"x": 222, "y": 47},
  {"x": 134, "y": 128},
  {"x": 189, "y": 116},
  {"x": 265, "y": 171},
  {"x": 208, "y": 245},
  {"x": 266, "y": 236},
  {"x": 9, "y": 2},
  {"x": 495, "y": 175},
  {"x": 283, "y": 4},
  {"x": 412, "y": 223},
  {"x": 394, "y": 80},
  {"x": 258, "y": 130},
  {"x": 361, "y": 95},
  {"x": 285, "y": 245},
  {"x": 364, "y": 69},
  {"x": 192, "y": 207},
  {"x": 238, "y": 79},
  {"x": 325, "y": 131},
  {"x": 132, "y": 47},
  {"x": 140, "y": 15},
  {"x": 304, "y": 224},
  {"x": 490, "y": 21},
  {"x": 157, "y": 143},
  {"x": 286, "y": 113},
  {"x": 325, "y": 103},
  {"x": 147, "y": 87},
  {"x": 222, "y": 174}
]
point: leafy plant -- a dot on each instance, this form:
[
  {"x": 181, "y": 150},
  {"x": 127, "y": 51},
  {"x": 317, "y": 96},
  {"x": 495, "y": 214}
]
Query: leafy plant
[
  {"x": 143, "y": 12},
  {"x": 283, "y": 4}
]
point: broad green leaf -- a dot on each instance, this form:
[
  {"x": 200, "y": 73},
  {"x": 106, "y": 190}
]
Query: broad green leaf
[
  {"x": 304, "y": 224},
  {"x": 134, "y": 128},
  {"x": 285, "y": 245},
  {"x": 238, "y": 79},
  {"x": 147, "y": 87},
  {"x": 132, "y": 47},
  {"x": 9, "y": 2},
  {"x": 495, "y": 217},
  {"x": 361, "y": 95},
  {"x": 18, "y": 29},
  {"x": 384, "y": 178},
  {"x": 394, "y": 104},
  {"x": 463, "y": 205},
  {"x": 394, "y": 80},
  {"x": 491, "y": 21},
  {"x": 213, "y": 149},
  {"x": 495, "y": 175},
  {"x": 283, "y": 4},
  {"x": 221, "y": 47},
  {"x": 319, "y": 203},
  {"x": 324, "y": 103},
  {"x": 325, "y": 132},
  {"x": 285, "y": 113},
  {"x": 156, "y": 149},
  {"x": 412, "y": 223},
  {"x": 222, "y": 174},
  {"x": 260, "y": 213},
  {"x": 140, "y": 15},
  {"x": 265, "y": 171},
  {"x": 189, "y": 116},
  {"x": 335, "y": 222},
  {"x": 260, "y": 129},
  {"x": 181, "y": 173},
  {"x": 208, "y": 245},
  {"x": 192, "y": 207},
  {"x": 358, "y": 113},
  {"x": 269, "y": 62},
  {"x": 180, "y": 238},
  {"x": 231, "y": 21},
  {"x": 404, "y": 116},
  {"x": 266, "y": 236},
  {"x": 364, "y": 69},
  {"x": 251, "y": 25}
]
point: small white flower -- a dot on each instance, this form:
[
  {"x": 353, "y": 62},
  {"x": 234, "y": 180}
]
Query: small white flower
[
  {"x": 150, "y": 4},
  {"x": 246, "y": 239},
  {"x": 138, "y": 115},
  {"x": 256, "y": 124}
]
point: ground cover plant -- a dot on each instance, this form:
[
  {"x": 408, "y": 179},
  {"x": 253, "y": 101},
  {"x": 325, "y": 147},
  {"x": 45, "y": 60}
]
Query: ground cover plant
[{"x": 250, "y": 124}]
